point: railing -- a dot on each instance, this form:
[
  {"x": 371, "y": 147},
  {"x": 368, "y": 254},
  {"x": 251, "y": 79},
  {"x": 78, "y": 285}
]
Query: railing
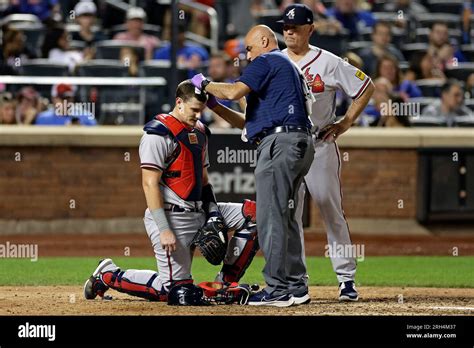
[
  {"x": 211, "y": 42},
  {"x": 91, "y": 81}
]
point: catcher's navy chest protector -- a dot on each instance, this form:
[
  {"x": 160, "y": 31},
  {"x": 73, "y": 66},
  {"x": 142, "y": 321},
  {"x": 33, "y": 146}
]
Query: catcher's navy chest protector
[{"x": 184, "y": 174}]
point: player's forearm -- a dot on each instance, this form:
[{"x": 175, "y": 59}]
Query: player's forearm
[
  {"x": 153, "y": 195},
  {"x": 236, "y": 119},
  {"x": 229, "y": 91},
  {"x": 154, "y": 201},
  {"x": 358, "y": 105}
]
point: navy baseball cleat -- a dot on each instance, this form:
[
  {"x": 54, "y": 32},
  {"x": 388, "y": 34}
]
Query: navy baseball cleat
[
  {"x": 348, "y": 292},
  {"x": 301, "y": 298},
  {"x": 94, "y": 285},
  {"x": 261, "y": 298}
]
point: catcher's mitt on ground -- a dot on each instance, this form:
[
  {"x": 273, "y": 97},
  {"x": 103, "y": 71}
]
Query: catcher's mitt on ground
[{"x": 211, "y": 240}]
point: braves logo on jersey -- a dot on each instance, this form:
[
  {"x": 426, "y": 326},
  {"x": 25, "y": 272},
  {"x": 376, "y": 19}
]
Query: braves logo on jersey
[{"x": 316, "y": 83}]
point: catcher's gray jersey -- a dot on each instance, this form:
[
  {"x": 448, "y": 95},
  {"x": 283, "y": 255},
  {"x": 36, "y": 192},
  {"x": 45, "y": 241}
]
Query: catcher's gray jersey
[{"x": 155, "y": 152}]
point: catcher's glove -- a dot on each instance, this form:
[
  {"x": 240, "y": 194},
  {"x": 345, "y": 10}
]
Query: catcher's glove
[{"x": 211, "y": 239}]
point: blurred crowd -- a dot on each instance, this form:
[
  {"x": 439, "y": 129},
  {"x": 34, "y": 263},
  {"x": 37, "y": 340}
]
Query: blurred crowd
[{"x": 418, "y": 52}]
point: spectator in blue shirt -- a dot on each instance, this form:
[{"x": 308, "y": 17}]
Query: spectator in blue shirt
[
  {"x": 42, "y": 8},
  {"x": 353, "y": 19},
  {"x": 387, "y": 66},
  {"x": 277, "y": 120},
  {"x": 189, "y": 56},
  {"x": 64, "y": 111}
]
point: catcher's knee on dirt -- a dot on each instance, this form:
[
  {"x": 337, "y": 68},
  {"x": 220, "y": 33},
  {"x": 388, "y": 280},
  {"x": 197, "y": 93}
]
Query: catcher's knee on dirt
[
  {"x": 240, "y": 252},
  {"x": 117, "y": 281}
]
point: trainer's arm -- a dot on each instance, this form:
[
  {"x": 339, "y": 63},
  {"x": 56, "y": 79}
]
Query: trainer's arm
[
  {"x": 154, "y": 200},
  {"x": 229, "y": 91},
  {"x": 236, "y": 119}
]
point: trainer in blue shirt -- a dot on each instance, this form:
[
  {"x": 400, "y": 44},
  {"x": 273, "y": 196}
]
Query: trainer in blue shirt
[{"x": 276, "y": 119}]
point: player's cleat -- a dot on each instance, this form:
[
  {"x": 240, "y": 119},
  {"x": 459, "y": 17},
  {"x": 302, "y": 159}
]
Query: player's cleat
[
  {"x": 301, "y": 298},
  {"x": 348, "y": 292},
  {"x": 94, "y": 285},
  {"x": 261, "y": 298}
]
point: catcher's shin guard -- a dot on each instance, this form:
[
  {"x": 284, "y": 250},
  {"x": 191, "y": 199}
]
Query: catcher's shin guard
[
  {"x": 117, "y": 281},
  {"x": 240, "y": 252}
]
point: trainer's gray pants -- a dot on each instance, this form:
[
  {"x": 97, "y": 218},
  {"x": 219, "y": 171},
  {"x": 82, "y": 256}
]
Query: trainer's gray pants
[{"x": 283, "y": 160}]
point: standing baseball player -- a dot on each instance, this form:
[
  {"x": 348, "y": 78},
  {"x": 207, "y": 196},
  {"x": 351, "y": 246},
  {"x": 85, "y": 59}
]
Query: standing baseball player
[
  {"x": 326, "y": 73},
  {"x": 180, "y": 200},
  {"x": 276, "y": 119}
]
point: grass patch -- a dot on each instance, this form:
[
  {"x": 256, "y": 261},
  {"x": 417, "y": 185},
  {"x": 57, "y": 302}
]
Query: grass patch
[{"x": 415, "y": 271}]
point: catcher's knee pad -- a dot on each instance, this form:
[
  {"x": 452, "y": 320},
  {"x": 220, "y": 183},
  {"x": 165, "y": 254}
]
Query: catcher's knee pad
[
  {"x": 249, "y": 211},
  {"x": 117, "y": 281},
  {"x": 240, "y": 252}
]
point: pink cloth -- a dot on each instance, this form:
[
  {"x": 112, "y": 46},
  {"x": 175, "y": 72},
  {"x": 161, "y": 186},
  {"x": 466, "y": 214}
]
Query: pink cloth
[{"x": 148, "y": 41}]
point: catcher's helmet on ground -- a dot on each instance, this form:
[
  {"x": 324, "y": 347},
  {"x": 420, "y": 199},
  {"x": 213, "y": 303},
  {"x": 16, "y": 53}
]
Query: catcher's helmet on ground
[{"x": 186, "y": 295}]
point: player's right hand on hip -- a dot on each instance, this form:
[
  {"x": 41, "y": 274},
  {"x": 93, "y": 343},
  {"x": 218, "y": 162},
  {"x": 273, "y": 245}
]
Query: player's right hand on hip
[{"x": 168, "y": 241}]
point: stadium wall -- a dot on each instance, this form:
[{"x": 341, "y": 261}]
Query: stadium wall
[{"x": 87, "y": 180}]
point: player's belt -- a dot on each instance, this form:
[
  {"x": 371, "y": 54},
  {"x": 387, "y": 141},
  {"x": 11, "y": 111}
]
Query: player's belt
[
  {"x": 281, "y": 129},
  {"x": 178, "y": 209}
]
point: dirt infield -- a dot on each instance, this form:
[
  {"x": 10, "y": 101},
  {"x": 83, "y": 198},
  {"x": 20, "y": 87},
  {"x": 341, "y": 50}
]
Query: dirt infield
[
  {"x": 139, "y": 244},
  {"x": 68, "y": 300}
]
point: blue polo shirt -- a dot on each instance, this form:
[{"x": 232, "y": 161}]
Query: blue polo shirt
[{"x": 277, "y": 97}]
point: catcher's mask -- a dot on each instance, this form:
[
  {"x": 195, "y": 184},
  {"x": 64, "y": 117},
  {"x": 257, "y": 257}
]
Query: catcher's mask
[{"x": 186, "y": 295}]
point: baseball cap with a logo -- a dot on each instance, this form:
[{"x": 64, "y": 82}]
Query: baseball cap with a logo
[{"x": 297, "y": 14}]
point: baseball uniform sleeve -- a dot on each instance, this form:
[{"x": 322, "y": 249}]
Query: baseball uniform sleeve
[
  {"x": 154, "y": 151},
  {"x": 350, "y": 79},
  {"x": 256, "y": 74}
]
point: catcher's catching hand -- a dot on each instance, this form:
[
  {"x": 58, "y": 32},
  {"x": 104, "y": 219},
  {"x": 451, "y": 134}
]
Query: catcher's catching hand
[{"x": 211, "y": 239}]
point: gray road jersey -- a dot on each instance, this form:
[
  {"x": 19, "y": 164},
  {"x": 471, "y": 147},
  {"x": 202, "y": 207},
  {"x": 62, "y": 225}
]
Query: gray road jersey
[
  {"x": 326, "y": 73},
  {"x": 155, "y": 153}
]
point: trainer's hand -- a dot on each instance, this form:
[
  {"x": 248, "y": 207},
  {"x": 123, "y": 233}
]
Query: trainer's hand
[
  {"x": 197, "y": 80},
  {"x": 333, "y": 131},
  {"x": 168, "y": 241},
  {"x": 211, "y": 101}
]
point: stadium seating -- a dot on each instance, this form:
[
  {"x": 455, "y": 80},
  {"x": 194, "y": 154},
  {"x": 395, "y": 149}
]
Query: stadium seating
[
  {"x": 426, "y": 20},
  {"x": 399, "y": 36},
  {"x": 43, "y": 67},
  {"x": 430, "y": 87},
  {"x": 464, "y": 121},
  {"x": 391, "y": 17},
  {"x": 423, "y": 102},
  {"x": 158, "y": 98},
  {"x": 75, "y": 28},
  {"x": 20, "y": 18},
  {"x": 409, "y": 49},
  {"x": 77, "y": 45},
  {"x": 422, "y": 35},
  {"x": 357, "y": 46},
  {"x": 336, "y": 44},
  {"x": 427, "y": 121},
  {"x": 460, "y": 72},
  {"x": 445, "y": 6},
  {"x": 468, "y": 51},
  {"x": 110, "y": 49},
  {"x": 469, "y": 103},
  {"x": 102, "y": 68},
  {"x": 34, "y": 33},
  {"x": 378, "y": 5}
]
